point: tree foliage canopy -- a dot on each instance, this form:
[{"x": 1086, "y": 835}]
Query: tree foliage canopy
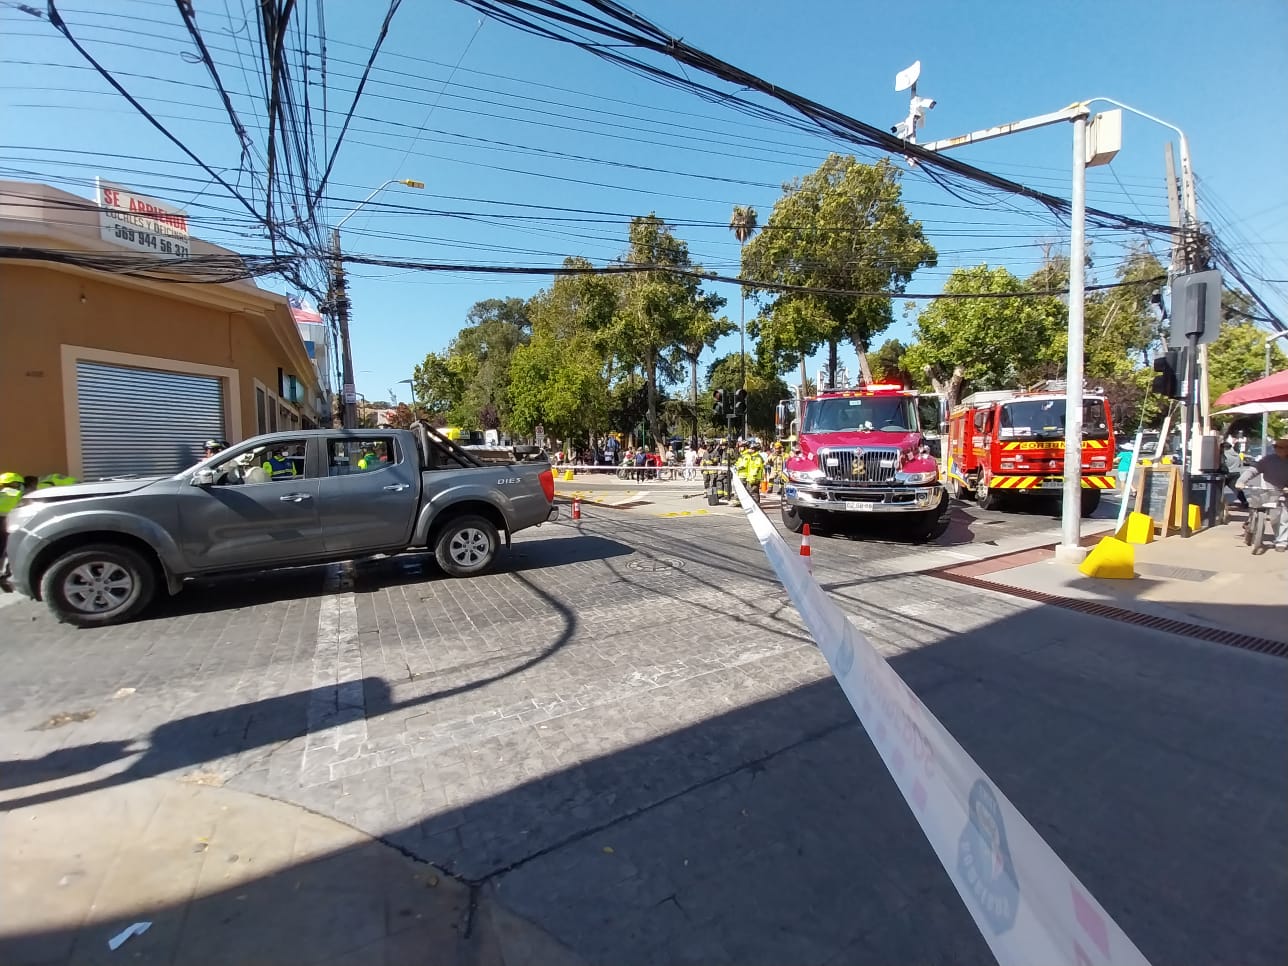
[{"x": 840, "y": 227}]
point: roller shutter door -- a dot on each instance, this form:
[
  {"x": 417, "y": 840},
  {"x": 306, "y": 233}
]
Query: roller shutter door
[{"x": 144, "y": 421}]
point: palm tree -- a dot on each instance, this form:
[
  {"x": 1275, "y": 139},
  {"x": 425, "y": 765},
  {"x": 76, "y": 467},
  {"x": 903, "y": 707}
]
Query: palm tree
[{"x": 743, "y": 224}]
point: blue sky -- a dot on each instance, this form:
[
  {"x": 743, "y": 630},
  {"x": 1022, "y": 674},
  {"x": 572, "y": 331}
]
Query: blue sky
[{"x": 497, "y": 122}]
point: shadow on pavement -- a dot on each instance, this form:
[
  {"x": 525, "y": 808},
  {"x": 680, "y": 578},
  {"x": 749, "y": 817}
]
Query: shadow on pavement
[
  {"x": 208, "y": 594},
  {"x": 772, "y": 833}
]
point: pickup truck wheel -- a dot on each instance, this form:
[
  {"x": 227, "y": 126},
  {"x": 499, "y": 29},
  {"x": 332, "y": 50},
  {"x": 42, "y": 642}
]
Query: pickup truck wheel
[
  {"x": 467, "y": 546},
  {"x": 98, "y": 585}
]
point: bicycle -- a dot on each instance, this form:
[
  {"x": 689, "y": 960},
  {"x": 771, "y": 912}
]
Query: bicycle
[{"x": 1262, "y": 502}]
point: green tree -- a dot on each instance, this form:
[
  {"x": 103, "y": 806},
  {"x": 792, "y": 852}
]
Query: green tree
[
  {"x": 1238, "y": 357},
  {"x": 989, "y": 343},
  {"x": 438, "y": 386},
  {"x": 888, "y": 363},
  {"x": 743, "y": 223},
  {"x": 764, "y": 390},
  {"x": 840, "y": 227},
  {"x": 656, "y": 309},
  {"x": 560, "y": 377},
  {"x": 1122, "y": 328}
]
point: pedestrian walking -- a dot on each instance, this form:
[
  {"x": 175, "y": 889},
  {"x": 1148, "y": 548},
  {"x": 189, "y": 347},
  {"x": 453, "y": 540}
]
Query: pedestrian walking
[{"x": 1233, "y": 469}]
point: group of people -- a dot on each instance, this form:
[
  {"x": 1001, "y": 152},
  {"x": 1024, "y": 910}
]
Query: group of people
[{"x": 13, "y": 487}]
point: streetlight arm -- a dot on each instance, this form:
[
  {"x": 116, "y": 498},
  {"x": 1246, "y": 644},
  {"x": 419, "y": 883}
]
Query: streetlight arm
[
  {"x": 1187, "y": 171},
  {"x": 404, "y": 181},
  {"x": 1069, "y": 113}
]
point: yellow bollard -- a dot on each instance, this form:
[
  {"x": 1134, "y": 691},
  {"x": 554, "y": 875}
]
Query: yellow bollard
[
  {"x": 567, "y": 476},
  {"x": 1138, "y": 529},
  {"x": 1111, "y": 559}
]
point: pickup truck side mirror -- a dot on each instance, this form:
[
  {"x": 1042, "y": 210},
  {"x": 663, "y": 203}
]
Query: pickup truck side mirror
[{"x": 203, "y": 478}]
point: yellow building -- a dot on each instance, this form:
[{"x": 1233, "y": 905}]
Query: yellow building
[{"x": 102, "y": 374}]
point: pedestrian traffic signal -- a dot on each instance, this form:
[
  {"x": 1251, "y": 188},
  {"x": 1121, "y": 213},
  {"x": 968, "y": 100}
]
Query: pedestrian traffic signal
[
  {"x": 740, "y": 403},
  {"x": 717, "y": 403},
  {"x": 1169, "y": 374}
]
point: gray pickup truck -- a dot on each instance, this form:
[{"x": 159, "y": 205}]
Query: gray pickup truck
[{"x": 97, "y": 553}]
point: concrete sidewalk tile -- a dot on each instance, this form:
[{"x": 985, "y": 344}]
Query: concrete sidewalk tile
[{"x": 228, "y": 877}]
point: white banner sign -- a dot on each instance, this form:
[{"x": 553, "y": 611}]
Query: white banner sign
[
  {"x": 1028, "y": 906},
  {"x": 142, "y": 224}
]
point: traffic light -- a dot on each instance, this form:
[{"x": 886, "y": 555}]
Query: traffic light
[
  {"x": 1169, "y": 374},
  {"x": 717, "y": 403},
  {"x": 740, "y": 403}
]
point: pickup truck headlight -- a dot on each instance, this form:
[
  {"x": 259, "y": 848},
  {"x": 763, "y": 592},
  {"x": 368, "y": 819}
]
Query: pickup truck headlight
[
  {"x": 917, "y": 479},
  {"x": 18, "y": 517},
  {"x": 805, "y": 476}
]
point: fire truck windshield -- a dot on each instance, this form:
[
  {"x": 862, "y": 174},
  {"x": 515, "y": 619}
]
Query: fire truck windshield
[
  {"x": 1044, "y": 419},
  {"x": 882, "y": 414}
]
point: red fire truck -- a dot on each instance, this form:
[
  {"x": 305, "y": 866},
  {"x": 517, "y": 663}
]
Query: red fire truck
[
  {"x": 863, "y": 453},
  {"x": 1010, "y": 443}
]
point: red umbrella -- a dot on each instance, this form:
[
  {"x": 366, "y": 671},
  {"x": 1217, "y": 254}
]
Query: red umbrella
[{"x": 1273, "y": 388}]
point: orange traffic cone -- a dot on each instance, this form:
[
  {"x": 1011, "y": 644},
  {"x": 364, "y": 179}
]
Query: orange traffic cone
[{"x": 806, "y": 558}]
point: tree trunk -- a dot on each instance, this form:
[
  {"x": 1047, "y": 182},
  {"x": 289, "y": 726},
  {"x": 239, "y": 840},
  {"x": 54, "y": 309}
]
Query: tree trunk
[
  {"x": 693, "y": 389},
  {"x": 831, "y": 363},
  {"x": 951, "y": 390},
  {"x": 651, "y": 365}
]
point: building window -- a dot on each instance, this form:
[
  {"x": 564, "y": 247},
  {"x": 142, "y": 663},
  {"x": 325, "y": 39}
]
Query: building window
[{"x": 260, "y": 412}]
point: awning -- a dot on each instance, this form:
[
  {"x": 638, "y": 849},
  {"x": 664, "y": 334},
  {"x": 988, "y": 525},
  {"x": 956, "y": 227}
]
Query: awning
[
  {"x": 1273, "y": 388},
  {"x": 1255, "y": 408}
]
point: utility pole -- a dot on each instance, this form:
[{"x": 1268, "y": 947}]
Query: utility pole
[
  {"x": 340, "y": 306},
  {"x": 1070, "y": 549},
  {"x": 1265, "y": 417}
]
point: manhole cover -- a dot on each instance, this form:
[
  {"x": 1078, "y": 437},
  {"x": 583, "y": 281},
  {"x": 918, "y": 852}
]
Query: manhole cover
[
  {"x": 655, "y": 565},
  {"x": 1177, "y": 573}
]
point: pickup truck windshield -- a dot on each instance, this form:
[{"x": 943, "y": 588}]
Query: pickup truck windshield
[
  {"x": 884, "y": 414},
  {"x": 1044, "y": 419}
]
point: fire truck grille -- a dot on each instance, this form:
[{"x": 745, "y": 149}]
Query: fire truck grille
[{"x": 870, "y": 466}]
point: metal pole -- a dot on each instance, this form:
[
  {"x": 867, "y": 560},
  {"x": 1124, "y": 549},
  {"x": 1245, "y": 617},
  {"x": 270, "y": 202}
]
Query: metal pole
[
  {"x": 1070, "y": 548},
  {"x": 340, "y": 300},
  {"x": 742, "y": 348},
  {"x": 1265, "y": 417}
]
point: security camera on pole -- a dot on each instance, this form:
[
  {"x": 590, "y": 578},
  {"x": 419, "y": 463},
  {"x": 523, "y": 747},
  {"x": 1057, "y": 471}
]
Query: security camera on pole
[
  {"x": 1100, "y": 148},
  {"x": 906, "y": 80}
]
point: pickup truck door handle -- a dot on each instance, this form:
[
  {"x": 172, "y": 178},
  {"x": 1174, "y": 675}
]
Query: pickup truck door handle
[
  {"x": 295, "y": 498},
  {"x": 397, "y": 487}
]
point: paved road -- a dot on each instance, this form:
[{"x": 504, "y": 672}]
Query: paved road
[{"x": 626, "y": 736}]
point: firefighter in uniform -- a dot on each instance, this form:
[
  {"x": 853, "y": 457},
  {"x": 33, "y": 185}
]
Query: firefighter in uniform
[
  {"x": 751, "y": 470},
  {"x": 279, "y": 466},
  {"x": 777, "y": 461},
  {"x": 11, "y": 490}
]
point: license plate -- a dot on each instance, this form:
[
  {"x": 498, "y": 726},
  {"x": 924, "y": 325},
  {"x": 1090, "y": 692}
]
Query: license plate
[{"x": 855, "y": 505}]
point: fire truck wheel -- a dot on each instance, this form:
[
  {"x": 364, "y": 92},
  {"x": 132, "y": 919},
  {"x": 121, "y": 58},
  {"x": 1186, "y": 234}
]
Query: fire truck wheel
[
  {"x": 929, "y": 527},
  {"x": 955, "y": 489},
  {"x": 986, "y": 499},
  {"x": 1090, "y": 501},
  {"x": 793, "y": 519}
]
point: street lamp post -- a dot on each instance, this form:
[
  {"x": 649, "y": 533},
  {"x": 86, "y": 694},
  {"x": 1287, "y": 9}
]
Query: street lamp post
[
  {"x": 340, "y": 306},
  {"x": 1265, "y": 417},
  {"x": 1070, "y": 548},
  {"x": 410, "y": 384}
]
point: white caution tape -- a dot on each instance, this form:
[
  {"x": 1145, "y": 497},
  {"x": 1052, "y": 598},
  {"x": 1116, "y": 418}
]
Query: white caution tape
[{"x": 1027, "y": 904}]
